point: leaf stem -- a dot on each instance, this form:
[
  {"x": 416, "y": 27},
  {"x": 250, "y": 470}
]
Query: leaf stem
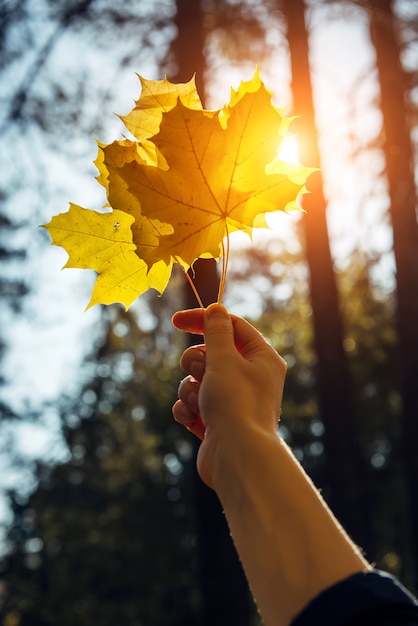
[
  {"x": 193, "y": 286},
  {"x": 225, "y": 261}
]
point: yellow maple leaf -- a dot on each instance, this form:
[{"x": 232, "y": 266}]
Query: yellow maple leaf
[
  {"x": 187, "y": 180},
  {"x": 103, "y": 242},
  {"x": 145, "y": 232},
  {"x": 217, "y": 179},
  {"x": 157, "y": 97}
]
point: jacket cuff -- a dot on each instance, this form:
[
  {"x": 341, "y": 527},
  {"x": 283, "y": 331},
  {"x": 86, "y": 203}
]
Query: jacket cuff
[{"x": 365, "y": 598}]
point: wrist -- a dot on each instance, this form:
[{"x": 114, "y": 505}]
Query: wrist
[{"x": 238, "y": 469}]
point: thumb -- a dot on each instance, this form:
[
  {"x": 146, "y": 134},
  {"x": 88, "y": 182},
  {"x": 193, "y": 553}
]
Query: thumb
[{"x": 218, "y": 331}]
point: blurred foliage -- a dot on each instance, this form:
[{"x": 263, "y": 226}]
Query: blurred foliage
[
  {"x": 47, "y": 86},
  {"x": 12, "y": 288},
  {"x": 244, "y": 30}
]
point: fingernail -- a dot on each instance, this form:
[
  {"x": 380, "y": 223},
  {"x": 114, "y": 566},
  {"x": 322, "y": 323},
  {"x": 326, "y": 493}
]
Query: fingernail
[{"x": 216, "y": 311}]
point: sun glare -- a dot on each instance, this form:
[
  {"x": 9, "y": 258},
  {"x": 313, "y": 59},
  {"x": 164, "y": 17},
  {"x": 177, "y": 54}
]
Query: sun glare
[{"x": 289, "y": 150}]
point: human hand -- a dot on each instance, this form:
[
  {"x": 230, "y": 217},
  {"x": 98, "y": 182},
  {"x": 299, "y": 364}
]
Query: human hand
[{"x": 234, "y": 387}]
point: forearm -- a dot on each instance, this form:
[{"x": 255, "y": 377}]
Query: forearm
[{"x": 290, "y": 544}]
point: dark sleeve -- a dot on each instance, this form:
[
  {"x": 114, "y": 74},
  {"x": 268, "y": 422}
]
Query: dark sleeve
[{"x": 366, "y": 599}]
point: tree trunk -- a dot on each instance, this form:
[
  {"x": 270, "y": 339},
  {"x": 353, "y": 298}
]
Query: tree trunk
[
  {"x": 342, "y": 475},
  {"x": 224, "y": 589},
  {"x": 403, "y": 201}
]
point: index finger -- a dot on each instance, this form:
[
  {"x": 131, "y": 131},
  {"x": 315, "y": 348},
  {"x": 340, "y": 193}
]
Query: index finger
[{"x": 247, "y": 339}]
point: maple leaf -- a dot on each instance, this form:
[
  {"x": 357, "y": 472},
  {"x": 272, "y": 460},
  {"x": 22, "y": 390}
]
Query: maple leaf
[
  {"x": 145, "y": 232},
  {"x": 216, "y": 181},
  {"x": 180, "y": 187},
  {"x": 103, "y": 242},
  {"x": 158, "y": 97}
]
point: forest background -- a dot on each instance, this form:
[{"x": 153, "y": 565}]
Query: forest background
[{"x": 104, "y": 519}]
